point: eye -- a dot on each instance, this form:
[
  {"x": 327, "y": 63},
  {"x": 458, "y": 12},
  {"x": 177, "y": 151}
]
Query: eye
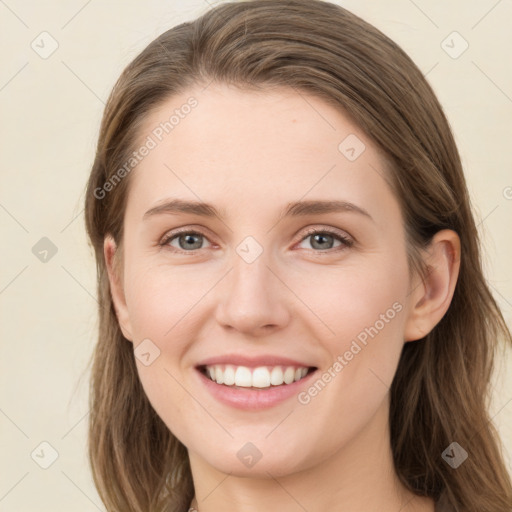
[
  {"x": 324, "y": 239},
  {"x": 321, "y": 240},
  {"x": 185, "y": 241}
]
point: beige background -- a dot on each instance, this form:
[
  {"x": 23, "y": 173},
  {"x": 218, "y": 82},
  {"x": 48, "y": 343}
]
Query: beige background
[{"x": 50, "y": 111}]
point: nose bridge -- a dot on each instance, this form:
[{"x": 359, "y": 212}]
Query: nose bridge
[
  {"x": 252, "y": 296},
  {"x": 251, "y": 277}
]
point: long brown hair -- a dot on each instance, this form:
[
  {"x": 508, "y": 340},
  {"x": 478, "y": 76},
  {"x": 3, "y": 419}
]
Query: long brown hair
[{"x": 440, "y": 393}]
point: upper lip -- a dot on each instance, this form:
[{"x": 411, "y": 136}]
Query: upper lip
[{"x": 253, "y": 362}]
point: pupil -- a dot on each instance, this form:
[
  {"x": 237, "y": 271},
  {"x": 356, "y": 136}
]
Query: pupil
[
  {"x": 320, "y": 237},
  {"x": 190, "y": 241}
]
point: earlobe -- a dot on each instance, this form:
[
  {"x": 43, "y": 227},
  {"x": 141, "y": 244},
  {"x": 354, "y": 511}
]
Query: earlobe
[
  {"x": 431, "y": 298},
  {"x": 113, "y": 264}
]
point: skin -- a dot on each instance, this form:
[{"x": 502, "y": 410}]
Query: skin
[{"x": 249, "y": 154}]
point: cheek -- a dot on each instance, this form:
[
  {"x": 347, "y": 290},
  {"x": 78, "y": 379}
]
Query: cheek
[
  {"x": 160, "y": 299},
  {"x": 363, "y": 319},
  {"x": 353, "y": 297}
]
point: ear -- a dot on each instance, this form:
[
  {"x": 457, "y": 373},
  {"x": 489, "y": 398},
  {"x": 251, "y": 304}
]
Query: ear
[
  {"x": 114, "y": 269},
  {"x": 431, "y": 297}
]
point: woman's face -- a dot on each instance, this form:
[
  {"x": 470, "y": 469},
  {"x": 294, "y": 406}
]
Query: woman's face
[{"x": 253, "y": 288}]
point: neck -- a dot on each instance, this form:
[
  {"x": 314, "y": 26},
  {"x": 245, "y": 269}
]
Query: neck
[{"x": 358, "y": 478}]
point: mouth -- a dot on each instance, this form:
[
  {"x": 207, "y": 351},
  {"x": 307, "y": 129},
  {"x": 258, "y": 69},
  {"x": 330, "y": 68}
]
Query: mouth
[{"x": 259, "y": 378}]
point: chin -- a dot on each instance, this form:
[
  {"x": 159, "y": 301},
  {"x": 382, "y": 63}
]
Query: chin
[{"x": 248, "y": 461}]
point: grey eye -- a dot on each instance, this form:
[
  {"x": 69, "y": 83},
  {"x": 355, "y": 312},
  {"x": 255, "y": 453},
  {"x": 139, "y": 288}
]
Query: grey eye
[{"x": 188, "y": 241}]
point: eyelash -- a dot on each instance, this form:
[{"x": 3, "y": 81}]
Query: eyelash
[{"x": 346, "y": 242}]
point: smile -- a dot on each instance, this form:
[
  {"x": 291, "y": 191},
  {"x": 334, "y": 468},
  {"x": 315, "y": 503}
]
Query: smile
[{"x": 261, "y": 377}]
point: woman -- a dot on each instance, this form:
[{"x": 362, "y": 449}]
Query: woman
[{"x": 293, "y": 314}]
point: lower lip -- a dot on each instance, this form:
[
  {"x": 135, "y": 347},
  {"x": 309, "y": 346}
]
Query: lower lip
[{"x": 254, "y": 399}]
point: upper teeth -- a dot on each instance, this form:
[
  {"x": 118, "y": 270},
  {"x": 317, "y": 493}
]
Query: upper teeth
[{"x": 260, "y": 377}]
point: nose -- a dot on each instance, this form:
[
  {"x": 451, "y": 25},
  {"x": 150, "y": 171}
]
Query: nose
[{"x": 252, "y": 299}]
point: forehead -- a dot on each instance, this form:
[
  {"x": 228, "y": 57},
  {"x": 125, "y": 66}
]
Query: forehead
[
  {"x": 225, "y": 117},
  {"x": 282, "y": 144}
]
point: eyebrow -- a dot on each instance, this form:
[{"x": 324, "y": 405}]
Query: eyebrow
[{"x": 294, "y": 209}]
